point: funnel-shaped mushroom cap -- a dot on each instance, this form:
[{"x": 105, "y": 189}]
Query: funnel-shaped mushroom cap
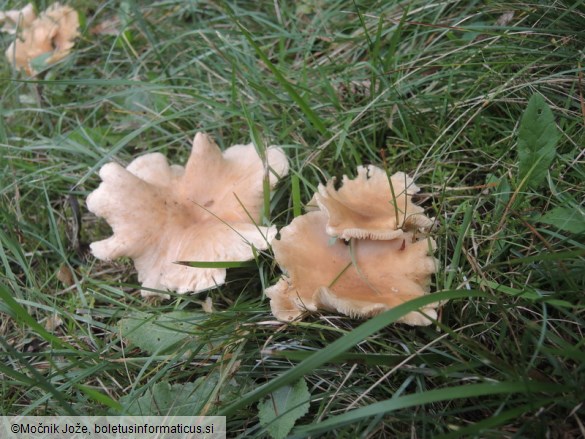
[
  {"x": 161, "y": 214},
  {"x": 52, "y": 33},
  {"x": 360, "y": 278},
  {"x": 371, "y": 205}
]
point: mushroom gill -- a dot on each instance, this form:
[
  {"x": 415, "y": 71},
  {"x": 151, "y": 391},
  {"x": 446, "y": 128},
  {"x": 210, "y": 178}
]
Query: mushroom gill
[
  {"x": 361, "y": 279},
  {"x": 371, "y": 206},
  {"x": 205, "y": 211}
]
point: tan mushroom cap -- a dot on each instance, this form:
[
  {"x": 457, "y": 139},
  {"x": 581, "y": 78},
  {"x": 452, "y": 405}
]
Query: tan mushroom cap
[
  {"x": 17, "y": 19},
  {"x": 371, "y": 206},
  {"x": 359, "y": 279},
  {"x": 161, "y": 214},
  {"x": 53, "y": 32}
]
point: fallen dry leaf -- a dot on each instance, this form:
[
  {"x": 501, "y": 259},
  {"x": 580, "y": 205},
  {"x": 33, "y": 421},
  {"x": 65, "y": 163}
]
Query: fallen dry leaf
[
  {"x": 110, "y": 26},
  {"x": 65, "y": 275}
]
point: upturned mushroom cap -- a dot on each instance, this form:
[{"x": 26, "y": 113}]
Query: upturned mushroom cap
[
  {"x": 53, "y": 33},
  {"x": 359, "y": 279},
  {"x": 371, "y": 206},
  {"x": 161, "y": 214}
]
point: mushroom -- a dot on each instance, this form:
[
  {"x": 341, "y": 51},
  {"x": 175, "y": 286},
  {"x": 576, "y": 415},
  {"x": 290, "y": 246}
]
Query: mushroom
[
  {"x": 360, "y": 278},
  {"x": 371, "y": 205},
  {"x": 206, "y": 211},
  {"x": 358, "y": 251},
  {"x": 17, "y": 19},
  {"x": 51, "y": 34}
]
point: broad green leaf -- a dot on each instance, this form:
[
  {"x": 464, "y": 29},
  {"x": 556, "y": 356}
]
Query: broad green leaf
[
  {"x": 565, "y": 218},
  {"x": 537, "y": 139},
  {"x": 199, "y": 398},
  {"x": 281, "y": 409},
  {"x": 159, "y": 333},
  {"x": 39, "y": 63},
  {"x": 163, "y": 399}
]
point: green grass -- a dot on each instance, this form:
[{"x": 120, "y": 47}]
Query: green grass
[{"x": 447, "y": 84}]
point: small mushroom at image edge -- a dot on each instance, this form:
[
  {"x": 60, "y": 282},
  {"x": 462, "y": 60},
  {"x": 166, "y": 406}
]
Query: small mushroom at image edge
[
  {"x": 17, "y": 19},
  {"x": 51, "y": 34},
  {"x": 205, "y": 211}
]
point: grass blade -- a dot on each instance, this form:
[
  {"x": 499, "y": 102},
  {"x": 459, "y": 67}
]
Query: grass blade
[
  {"x": 418, "y": 399},
  {"x": 343, "y": 344},
  {"x": 295, "y": 96}
]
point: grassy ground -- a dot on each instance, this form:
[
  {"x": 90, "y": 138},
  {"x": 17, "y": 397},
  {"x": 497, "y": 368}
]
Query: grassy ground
[{"x": 436, "y": 89}]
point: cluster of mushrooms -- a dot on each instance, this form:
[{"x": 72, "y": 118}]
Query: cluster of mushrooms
[{"x": 359, "y": 249}]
